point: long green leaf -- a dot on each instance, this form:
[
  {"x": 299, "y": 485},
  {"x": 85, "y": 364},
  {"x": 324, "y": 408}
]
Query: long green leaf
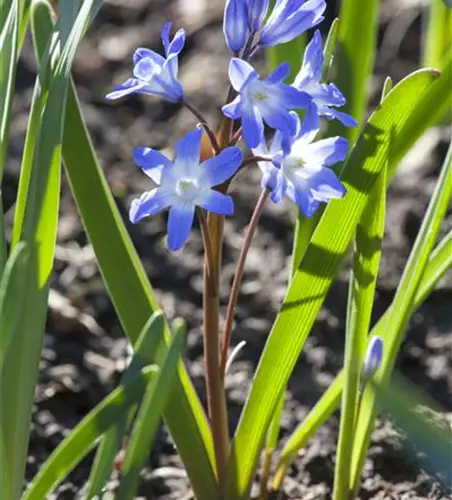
[
  {"x": 438, "y": 36},
  {"x": 315, "y": 275},
  {"x": 363, "y": 280},
  {"x": 439, "y": 263},
  {"x": 397, "y": 320},
  {"x": 427, "y": 428},
  {"x": 157, "y": 395},
  {"x": 436, "y": 104},
  {"x": 39, "y": 230},
  {"x": 9, "y": 19},
  {"x": 145, "y": 352},
  {"x": 85, "y": 435},
  {"x": 132, "y": 294},
  {"x": 356, "y": 49},
  {"x": 12, "y": 290}
]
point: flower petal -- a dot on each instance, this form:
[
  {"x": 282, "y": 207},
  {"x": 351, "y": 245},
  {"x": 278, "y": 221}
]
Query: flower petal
[
  {"x": 280, "y": 187},
  {"x": 346, "y": 119},
  {"x": 221, "y": 168},
  {"x": 130, "y": 86},
  {"x": 145, "y": 69},
  {"x": 289, "y": 19},
  {"x": 279, "y": 74},
  {"x": 141, "y": 53},
  {"x": 180, "y": 221},
  {"x": 305, "y": 201},
  {"x": 149, "y": 203},
  {"x": 188, "y": 150},
  {"x": 311, "y": 69},
  {"x": 232, "y": 110},
  {"x": 326, "y": 152},
  {"x": 277, "y": 116},
  {"x": 292, "y": 98},
  {"x": 257, "y": 9},
  {"x": 235, "y": 25},
  {"x": 152, "y": 162},
  {"x": 177, "y": 44},
  {"x": 324, "y": 185},
  {"x": 253, "y": 127},
  {"x": 216, "y": 202},
  {"x": 240, "y": 72}
]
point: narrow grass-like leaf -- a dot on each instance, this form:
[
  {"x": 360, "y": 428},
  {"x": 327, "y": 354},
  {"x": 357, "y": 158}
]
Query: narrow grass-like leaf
[
  {"x": 439, "y": 263},
  {"x": 12, "y": 290},
  {"x": 313, "y": 279},
  {"x": 397, "y": 320},
  {"x": 39, "y": 231},
  {"x": 330, "y": 45},
  {"x": 438, "y": 33},
  {"x": 132, "y": 294},
  {"x": 354, "y": 60},
  {"x": 145, "y": 350},
  {"x": 428, "y": 429},
  {"x": 363, "y": 280},
  {"x": 85, "y": 435},
  {"x": 149, "y": 416},
  {"x": 9, "y": 19},
  {"x": 436, "y": 104}
]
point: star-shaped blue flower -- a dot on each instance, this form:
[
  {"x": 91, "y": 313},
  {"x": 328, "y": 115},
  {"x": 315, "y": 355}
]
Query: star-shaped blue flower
[
  {"x": 266, "y": 100},
  {"x": 184, "y": 185},
  {"x": 325, "y": 96},
  {"x": 300, "y": 168},
  {"x": 153, "y": 73}
]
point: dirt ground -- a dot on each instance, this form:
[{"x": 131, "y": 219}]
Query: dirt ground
[{"x": 85, "y": 349}]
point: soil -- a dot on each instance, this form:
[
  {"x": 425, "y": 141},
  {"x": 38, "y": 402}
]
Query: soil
[{"x": 85, "y": 349}]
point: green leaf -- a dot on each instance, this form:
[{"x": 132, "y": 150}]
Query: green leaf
[
  {"x": 145, "y": 352},
  {"x": 310, "y": 284},
  {"x": 157, "y": 395},
  {"x": 363, "y": 280},
  {"x": 428, "y": 429},
  {"x": 85, "y": 435},
  {"x": 440, "y": 261},
  {"x": 330, "y": 45},
  {"x": 12, "y": 290},
  {"x": 20, "y": 369},
  {"x": 438, "y": 35},
  {"x": 436, "y": 103},
  {"x": 131, "y": 293},
  {"x": 9, "y": 26},
  {"x": 354, "y": 61},
  {"x": 397, "y": 321}
]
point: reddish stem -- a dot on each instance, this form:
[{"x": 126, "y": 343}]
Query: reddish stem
[{"x": 238, "y": 278}]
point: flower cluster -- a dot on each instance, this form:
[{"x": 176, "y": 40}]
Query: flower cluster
[{"x": 295, "y": 165}]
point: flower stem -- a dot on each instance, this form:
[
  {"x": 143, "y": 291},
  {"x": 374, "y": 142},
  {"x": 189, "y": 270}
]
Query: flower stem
[
  {"x": 238, "y": 277},
  {"x": 204, "y": 124},
  {"x": 216, "y": 398}
]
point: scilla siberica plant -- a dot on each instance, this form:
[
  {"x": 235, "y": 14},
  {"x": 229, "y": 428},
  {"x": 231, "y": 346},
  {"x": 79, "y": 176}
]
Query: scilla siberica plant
[
  {"x": 296, "y": 164},
  {"x": 296, "y": 131}
]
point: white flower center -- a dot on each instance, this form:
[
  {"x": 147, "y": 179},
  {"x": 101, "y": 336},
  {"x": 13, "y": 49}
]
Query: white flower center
[
  {"x": 187, "y": 189},
  {"x": 257, "y": 92}
]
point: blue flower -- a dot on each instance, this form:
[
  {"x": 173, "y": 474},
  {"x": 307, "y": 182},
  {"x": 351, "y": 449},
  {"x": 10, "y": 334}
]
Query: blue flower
[
  {"x": 325, "y": 96},
  {"x": 289, "y": 19},
  {"x": 184, "y": 184},
  {"x": 235, "y": 25},
  {"x": 155, "y": 75},
  {"x": 374, "y": 356},
  {"x": 300, "y": 167},
  {"x": 262, "y": 100}
]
